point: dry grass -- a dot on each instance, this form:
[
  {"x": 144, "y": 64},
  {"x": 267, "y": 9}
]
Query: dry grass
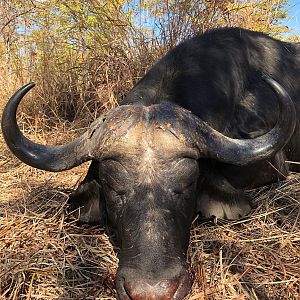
[
  {"x": 254, "y": 258},
  {"x": 99, "y": 49},
  {"x": 44, "y": 255}
]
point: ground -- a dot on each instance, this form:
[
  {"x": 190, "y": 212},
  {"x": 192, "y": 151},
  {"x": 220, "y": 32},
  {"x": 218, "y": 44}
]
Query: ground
[{"x": 45, "y": 255}]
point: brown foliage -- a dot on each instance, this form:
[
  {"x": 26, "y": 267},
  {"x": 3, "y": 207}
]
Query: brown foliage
[{"x": 86, "y": 55}]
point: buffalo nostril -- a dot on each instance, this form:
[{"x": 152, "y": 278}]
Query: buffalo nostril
[
  {"x": 185, "y": 285},
  {"x": 144, "y": 291},
  {"x": 167, "y": 289},
  {"x": 127, "y": 293}
]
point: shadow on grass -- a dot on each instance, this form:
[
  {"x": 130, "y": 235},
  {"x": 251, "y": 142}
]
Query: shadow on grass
[
  {"x": 257, "y": 257},
  {"x": 47, "y": 256}
]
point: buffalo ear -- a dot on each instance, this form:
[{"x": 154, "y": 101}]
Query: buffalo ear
[
  {"x": 86, "y": 204},
  {"x": 220, "y": 199}
]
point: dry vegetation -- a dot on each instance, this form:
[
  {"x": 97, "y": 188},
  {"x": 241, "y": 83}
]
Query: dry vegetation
[{"x": 43, "y": 253}]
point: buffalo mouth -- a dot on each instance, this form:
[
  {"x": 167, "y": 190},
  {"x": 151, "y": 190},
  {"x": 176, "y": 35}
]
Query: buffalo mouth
[{"x": 130, "y": 284}]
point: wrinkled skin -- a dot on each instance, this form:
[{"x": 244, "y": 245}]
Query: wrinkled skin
[
  {"x": 214, "y": 189},
  {"x": 150, "y": 186},
  {"x": 155, "y": 166},
  {"x": 149, "y": 183}
]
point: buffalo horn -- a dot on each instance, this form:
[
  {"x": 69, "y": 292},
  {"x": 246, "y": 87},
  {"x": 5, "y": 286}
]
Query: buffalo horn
[
  {"x": 216, "y": 145},
  {"x": 49, "y": 158}
]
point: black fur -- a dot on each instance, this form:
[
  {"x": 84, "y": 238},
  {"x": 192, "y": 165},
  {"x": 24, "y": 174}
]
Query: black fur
[{"x": 217, "y": 76}]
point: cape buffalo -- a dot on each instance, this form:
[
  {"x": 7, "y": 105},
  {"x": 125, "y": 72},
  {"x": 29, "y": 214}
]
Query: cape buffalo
[{"x": 208, "y": 121}]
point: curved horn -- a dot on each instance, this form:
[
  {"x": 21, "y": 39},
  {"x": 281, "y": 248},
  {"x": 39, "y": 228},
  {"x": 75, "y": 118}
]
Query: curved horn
[
  {"x": 213, "y": 144},
  {"x": 243, "y": 151},
  {"x": 49, "y": 158}
]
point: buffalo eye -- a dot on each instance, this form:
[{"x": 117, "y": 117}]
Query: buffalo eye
[
  {"x": 184, "y": 176},
  {"x": 182, "y": 188},
  {"x": 114, "y": 190},
  {"x": 115, "y": 177}
]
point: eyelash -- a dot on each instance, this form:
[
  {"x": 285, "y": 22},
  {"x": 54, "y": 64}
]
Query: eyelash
[
  {"x": 116, "y": 193},
  {"x": 177, "y": 192}
]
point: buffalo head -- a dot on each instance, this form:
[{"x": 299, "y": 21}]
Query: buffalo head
[{"x": 149, "y": 171}]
